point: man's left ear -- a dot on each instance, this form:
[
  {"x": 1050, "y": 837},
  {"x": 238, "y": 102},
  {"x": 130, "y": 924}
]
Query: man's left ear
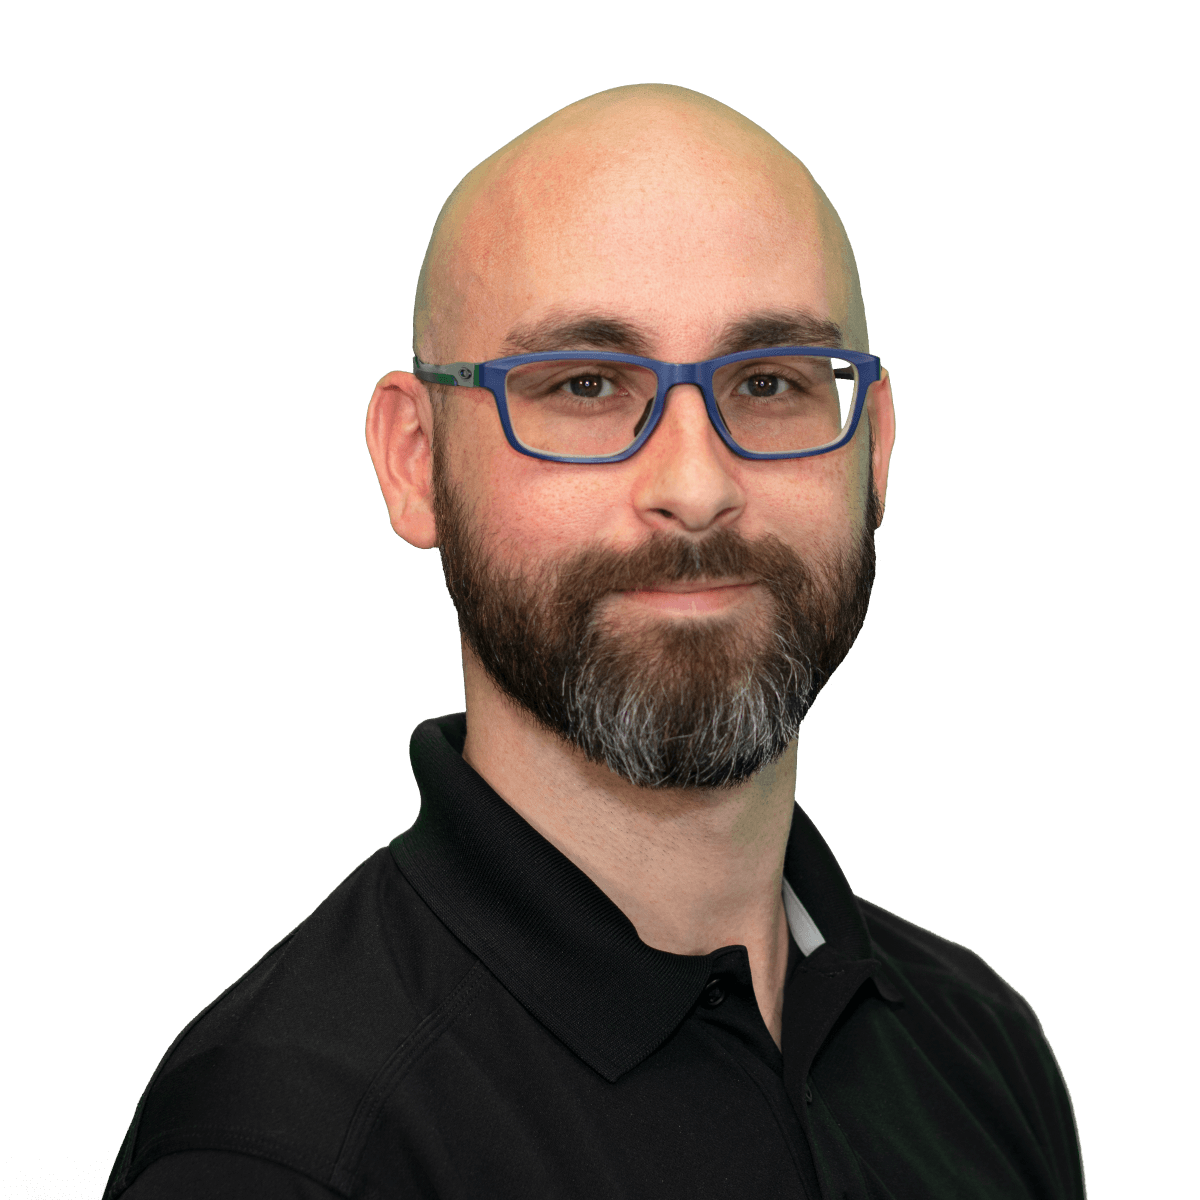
[{"x": 882, "y": 415}]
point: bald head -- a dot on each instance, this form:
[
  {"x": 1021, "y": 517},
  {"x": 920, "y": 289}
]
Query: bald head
[{"x": 624, "y": 204}]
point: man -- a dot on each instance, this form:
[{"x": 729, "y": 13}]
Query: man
[{"x": 612, "y": 957}]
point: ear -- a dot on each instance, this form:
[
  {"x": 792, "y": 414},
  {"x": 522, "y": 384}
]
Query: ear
[
  {"x": 400, "y": 438},
  {"x": 882, "y": 415}
]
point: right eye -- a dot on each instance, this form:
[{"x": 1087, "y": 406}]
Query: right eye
[{"x": 589, "y": 387}]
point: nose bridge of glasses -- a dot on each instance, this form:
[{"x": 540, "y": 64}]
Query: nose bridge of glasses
[
  {"x": 674, "y": 375},
  {"x": 671, "y": 375}
]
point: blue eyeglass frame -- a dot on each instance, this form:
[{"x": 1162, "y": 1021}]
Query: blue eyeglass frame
[{"x": 491, "y": 375}]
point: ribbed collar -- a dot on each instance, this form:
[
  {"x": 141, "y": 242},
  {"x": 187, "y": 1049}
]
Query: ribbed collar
[{"x": 551, "y": 936}]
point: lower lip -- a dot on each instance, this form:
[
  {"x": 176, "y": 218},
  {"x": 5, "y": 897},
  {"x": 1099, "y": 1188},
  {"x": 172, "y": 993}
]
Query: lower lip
[{"x": 709, "y": 600}]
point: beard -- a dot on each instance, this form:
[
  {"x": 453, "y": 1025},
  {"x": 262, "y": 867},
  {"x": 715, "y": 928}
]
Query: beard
[{"x": 695, "y": 703}]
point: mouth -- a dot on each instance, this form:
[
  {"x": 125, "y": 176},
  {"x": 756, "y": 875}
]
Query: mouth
[
  {"x": 693, "y": 596},
  {"x": 687, "y": 586}
]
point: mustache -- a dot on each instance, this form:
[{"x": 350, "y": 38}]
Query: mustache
[{"x": 668, "y": 558}]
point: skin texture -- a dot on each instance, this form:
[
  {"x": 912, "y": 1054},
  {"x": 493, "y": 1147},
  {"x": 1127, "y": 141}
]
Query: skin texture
[{"x": 669, "y": 212}]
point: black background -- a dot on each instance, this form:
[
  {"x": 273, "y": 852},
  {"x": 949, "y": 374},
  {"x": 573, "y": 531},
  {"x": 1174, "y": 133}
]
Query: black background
[{"x": 231, "y": 718}]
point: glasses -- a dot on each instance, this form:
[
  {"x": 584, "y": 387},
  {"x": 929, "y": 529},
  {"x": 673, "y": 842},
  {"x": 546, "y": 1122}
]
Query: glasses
[{"x": 784, "y": 402}]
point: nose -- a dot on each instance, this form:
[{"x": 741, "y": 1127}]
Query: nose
[{"x": 687, "y": 479}]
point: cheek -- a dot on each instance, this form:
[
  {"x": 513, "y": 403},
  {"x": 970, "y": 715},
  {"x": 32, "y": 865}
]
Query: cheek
[
  {"x": 817, "y": 505},
  {"x": 526, "y": 509},
  {"x": 837, "y": 487}
]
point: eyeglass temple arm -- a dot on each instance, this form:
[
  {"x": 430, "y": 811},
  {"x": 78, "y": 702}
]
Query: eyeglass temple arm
[{"x": 460, "y": 374}]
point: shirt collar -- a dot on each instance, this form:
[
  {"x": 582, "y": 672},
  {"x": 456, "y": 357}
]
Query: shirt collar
[{"x": 552, "y": 937}]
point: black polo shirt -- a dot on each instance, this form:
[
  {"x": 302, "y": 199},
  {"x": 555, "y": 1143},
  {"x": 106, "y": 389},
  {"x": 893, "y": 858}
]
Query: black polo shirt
[{"x": 468, "y": 1015}]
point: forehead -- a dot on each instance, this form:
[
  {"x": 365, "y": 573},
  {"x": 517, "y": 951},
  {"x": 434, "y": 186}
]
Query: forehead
[{"x": 677, "y": 233}]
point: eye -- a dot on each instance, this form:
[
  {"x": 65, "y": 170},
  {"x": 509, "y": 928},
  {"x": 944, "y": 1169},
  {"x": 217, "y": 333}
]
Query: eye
[
  {"x": 763, "y": 386},
  {"x": 590, "y": 387}
]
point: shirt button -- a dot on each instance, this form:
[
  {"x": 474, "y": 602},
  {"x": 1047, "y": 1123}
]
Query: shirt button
[{"x": 714, "y": 993}]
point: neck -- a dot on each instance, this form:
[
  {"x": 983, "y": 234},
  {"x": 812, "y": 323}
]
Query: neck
[{"x": 694, "y": 870}]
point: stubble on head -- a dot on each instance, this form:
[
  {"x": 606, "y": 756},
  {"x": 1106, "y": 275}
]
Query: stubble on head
[{"x": 514, "y": 192}]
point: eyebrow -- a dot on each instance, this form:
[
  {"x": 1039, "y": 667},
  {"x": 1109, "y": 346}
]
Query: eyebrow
[{"x": 598, "y": 331}]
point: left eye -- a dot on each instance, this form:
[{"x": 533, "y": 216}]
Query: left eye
[{"x": 763, "y": 386}]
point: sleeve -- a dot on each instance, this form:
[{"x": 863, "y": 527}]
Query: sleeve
[{"x": 222, "y": 1175}]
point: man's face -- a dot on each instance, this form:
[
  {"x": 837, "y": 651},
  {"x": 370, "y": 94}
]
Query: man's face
[{"x": 686, "y": 566}]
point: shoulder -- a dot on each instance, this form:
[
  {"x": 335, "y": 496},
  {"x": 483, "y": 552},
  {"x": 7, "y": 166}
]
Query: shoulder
[
  {"x": 919, "y": 955},
  {"x": 969, "y": 1022},
  {"x": 279, "y": 1064}
]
